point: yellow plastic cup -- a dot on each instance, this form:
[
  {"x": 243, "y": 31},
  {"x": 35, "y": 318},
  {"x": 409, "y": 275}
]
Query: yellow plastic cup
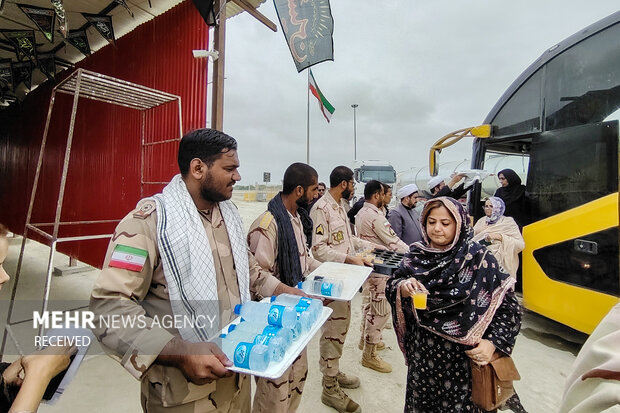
[{"x": 419, "y": 300}]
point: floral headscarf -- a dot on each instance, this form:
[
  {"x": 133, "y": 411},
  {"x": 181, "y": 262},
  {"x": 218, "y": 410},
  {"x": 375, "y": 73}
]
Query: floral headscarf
[
  {"x": 465, "y": 282},
  {"x": 499, "y": 207}
]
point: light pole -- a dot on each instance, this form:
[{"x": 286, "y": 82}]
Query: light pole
[{"x": 354, "y": 106}]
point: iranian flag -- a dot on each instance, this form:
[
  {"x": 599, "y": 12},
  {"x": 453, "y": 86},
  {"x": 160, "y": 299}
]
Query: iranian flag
[
  {"x": 326, "y": 107},
  {"x": 129, "y": 258}
]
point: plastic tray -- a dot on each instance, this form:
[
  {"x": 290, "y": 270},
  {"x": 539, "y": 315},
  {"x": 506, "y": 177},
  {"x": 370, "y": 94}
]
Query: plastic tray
[
  {"x": 276, "y": 370},
  {"x": 390, "y": 261},
  {"x": 352, "y": 276}
]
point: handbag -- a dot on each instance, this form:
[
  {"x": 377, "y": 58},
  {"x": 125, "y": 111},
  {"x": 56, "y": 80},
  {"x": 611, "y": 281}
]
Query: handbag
[{"x": 492, "y": 383}]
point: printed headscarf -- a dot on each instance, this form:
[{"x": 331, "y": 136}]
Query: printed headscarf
[{"x": 499, "y": 207}]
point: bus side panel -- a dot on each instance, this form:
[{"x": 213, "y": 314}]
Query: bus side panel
[{"x": 577, "y": 307}]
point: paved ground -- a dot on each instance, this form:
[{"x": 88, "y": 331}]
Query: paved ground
[{"x": 544, "y": 352}]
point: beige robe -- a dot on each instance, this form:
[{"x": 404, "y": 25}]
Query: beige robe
[{"x": 507, "y": 250}]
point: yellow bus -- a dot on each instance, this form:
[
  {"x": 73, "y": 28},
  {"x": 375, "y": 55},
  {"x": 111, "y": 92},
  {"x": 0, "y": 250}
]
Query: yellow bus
[{"x": 559, "y": 121}]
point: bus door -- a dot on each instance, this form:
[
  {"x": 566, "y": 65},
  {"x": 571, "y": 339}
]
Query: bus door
[{"x": 570, "y": 261}]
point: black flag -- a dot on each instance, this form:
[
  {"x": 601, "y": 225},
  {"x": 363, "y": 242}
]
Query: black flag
[
  {"x": 47, "y": 64},
  {"x": 61, "y": 16},
  {"x": 124, "y": 4},
  {"x": 43, "y": 18},
  {"x": 308, "y": 27},
  {"x": 79, "y": 40},
  {"x": 23, "y": 41},
  {"x": 205, "y": 8},
  {"x": 6, "y": 74},
  {"x": 22, "y": 72},
  {"x": 103, "y": 24}
]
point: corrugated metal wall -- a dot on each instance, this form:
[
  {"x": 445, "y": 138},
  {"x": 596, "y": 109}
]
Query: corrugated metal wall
[{"x": 104, "y": 173}]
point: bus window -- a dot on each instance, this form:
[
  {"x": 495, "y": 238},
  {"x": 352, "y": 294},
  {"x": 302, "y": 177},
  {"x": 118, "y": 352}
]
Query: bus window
[
  {"x": 521, "y": 114},
  {"x": 582, "y": 83},
  {"x": 572, "y": 166}
]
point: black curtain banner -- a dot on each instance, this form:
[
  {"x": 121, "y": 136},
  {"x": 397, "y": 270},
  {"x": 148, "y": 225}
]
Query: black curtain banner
[
  {"x": 79, "y": 40},
  {"x": 43, "y": 18},
  {"x": 23, "y": 41},
  {"x": 308, "y": 27},
  {"x": 46, "y": 62},
  {"x": 205, "y": 8},
  {"x": 61, "y": 17},
  {"x": 103, "y": 24},
  {"x": 6, "y": 74},
  {"x": 22, "y": 72}
]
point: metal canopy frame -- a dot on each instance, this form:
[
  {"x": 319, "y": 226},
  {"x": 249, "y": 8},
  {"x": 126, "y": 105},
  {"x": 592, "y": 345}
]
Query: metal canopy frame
[{"x": 94, "y": 86}]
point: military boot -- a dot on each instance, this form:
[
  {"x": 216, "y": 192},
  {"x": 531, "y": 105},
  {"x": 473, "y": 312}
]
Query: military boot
[
  {"x": 371, "y": 360},
  {"x": 333, "y": 396},
  {"x": 348, "y": 382},
  {"x": 380, "y": 346}
]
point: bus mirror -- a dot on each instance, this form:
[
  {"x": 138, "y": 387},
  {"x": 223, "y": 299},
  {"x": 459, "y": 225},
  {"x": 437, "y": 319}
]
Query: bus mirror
[
  {"x": 482, "y": 131},
  {"x": 433, "y": 164}
]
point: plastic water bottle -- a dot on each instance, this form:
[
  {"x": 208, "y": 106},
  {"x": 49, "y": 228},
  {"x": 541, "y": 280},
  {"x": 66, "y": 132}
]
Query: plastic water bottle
[
  {"x": 266, "y": 313},
  {"x": 314, "y": 307},
  {"x": 245, "y": 355},
  {"x": 286, "y": 334},
  {"x": 275, "y": 345},
  {"x": 330, "y": 287}
]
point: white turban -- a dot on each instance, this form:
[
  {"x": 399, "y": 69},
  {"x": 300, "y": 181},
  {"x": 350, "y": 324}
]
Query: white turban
[
  {"x": 406, "y": 191},
  {"x": 434, "y": 181}
]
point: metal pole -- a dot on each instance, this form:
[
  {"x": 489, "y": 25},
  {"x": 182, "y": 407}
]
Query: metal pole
[
  {"x": 308, "y": 121},
  {"x": 354, "y": 106}
]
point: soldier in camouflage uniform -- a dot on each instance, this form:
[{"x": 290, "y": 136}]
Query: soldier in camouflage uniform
[
  {"x": 299, "y": 187},
  {"x": 372, "y": 225},
  {"x": 333, "y": 241},
  {"x": 177, "y": 375}
]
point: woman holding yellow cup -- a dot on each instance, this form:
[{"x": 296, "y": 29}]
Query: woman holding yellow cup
[{"x": 452, "y": 304}]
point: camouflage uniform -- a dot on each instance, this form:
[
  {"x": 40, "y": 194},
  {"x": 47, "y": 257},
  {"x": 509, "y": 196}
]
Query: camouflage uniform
[
  {"x": 372, "y": 225},
  {"x": 332, "y": 241},
  {"x": 145, "y": 293},
  {"x": 282, "y": 395}
]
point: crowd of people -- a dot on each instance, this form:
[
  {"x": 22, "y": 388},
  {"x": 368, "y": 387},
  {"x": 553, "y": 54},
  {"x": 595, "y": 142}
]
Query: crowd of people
[{"x": 198, "y": 260}]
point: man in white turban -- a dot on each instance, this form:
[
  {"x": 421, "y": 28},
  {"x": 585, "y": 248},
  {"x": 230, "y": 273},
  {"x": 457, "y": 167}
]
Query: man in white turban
[{"x": 404, "y": 219}]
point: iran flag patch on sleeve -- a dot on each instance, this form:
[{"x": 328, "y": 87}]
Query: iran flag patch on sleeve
[{"x": 128, "y": 258}]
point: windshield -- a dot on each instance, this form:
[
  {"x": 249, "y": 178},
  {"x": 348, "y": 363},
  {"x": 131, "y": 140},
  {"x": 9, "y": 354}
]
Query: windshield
[{"x": 385, "y": 174}]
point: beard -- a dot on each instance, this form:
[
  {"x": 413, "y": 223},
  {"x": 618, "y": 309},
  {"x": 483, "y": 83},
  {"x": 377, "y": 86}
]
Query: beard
[
  {"x": 303, "y": 202},
  {"x": 210, "y": 193},
  {"x": 346, "y": 194}
]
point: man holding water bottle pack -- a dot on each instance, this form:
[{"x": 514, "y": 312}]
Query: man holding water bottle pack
[
  {"x": 332, "y": 240},
  {"x": 182, "y": 252},
  {"x": 278, "y": 240}
]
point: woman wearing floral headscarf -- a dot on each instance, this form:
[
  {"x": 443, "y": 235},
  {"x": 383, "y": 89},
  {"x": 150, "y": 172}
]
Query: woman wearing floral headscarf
[
  {"x": 500, "y": 234},
  {"x": 471, "y": 310}
]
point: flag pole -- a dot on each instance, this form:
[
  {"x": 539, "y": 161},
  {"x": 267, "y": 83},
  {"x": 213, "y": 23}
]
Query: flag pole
[{"x": 308, "y": 120}]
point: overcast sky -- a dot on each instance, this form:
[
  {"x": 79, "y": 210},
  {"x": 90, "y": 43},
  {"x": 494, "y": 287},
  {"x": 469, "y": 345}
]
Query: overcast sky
[{"x": 417, "y": 69}]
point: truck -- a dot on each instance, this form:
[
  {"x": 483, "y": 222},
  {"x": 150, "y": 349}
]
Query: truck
[{"x": 365, "y": 171}]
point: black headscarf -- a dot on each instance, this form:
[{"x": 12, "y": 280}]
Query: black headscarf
[
  {"x": 466, "y": 284},
  {"x": 287, "y": 258},
  {"x": 514, "y": 191}
]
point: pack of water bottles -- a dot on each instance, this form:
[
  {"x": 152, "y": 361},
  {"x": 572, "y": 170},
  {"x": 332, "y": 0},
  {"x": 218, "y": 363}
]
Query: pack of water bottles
[
  {"x": 336, "y": 281},
  {"x": 269, "y": 335}
]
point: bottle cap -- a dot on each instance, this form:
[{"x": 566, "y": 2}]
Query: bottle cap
[
  {"x": 273, "y": 298},
  {"x": 222, "y": 335},
  {"x": 232, "y": 327},
  {"x": 299, "y": 284},
  {"x": 238, "y": 309}
]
